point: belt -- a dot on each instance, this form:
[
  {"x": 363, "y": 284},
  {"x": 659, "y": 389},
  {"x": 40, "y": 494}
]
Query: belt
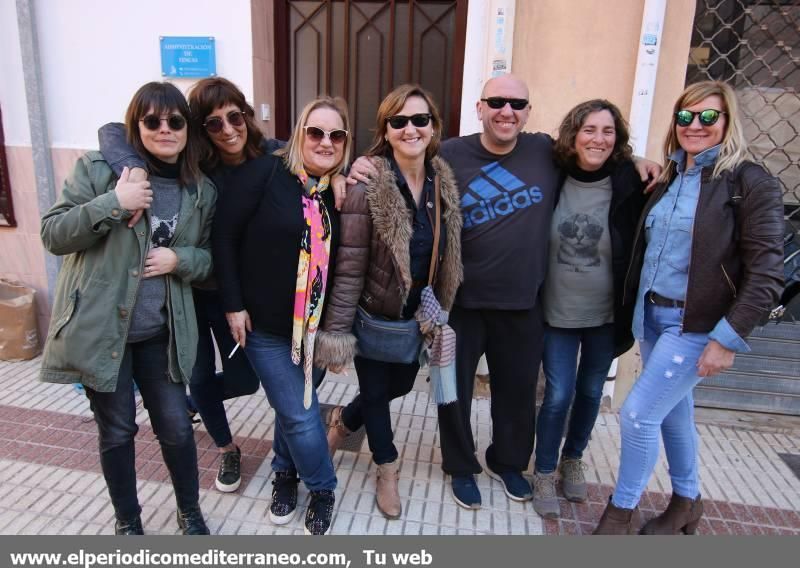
[{"x": 659, "y": 300}]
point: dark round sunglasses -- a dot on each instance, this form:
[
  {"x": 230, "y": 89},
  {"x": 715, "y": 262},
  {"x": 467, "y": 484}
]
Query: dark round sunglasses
[
  {"x": 399, "y": 121},
  {"x": 315, "y": 134},
  {"x": 499, "y": 102},
  {"x": 215, "y": 124},
  {"x": 174, "y": 121},
  {"x": 707, "y": 117}
]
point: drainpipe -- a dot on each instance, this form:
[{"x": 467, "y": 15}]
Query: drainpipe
[
  {"x": 624, "y": 369},
  {"x": 644, "y": 82},
  {"x": 37, "y": 119}
]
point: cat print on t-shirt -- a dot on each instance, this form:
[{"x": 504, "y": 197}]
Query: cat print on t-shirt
[
  {"x": 163, "y": 230},
  {"x": 579, "y": 237}
]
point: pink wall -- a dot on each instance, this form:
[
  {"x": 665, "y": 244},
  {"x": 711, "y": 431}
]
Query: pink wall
[{"x": 21, "y": 252}]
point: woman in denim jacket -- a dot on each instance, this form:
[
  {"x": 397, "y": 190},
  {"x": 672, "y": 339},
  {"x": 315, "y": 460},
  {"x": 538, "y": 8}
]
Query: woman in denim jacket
[{"x": 710, "y": 252}]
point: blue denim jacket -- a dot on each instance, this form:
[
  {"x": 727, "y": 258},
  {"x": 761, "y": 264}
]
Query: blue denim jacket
[{"x": 668, "y": 234}]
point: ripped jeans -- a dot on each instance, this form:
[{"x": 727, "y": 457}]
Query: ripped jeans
[{"x": 661, "y": 400}]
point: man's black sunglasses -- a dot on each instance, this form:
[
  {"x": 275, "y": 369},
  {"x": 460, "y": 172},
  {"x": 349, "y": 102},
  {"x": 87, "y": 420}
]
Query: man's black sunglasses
[{"x": 499, "y": 102}]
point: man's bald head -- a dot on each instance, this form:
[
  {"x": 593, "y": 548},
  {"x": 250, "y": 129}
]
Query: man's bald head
[{"x": 502, "y": 83}]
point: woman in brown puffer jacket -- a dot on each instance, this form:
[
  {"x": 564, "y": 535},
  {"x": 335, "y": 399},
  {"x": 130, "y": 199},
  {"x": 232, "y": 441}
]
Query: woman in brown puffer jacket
[{"x": 387, "y": 239}]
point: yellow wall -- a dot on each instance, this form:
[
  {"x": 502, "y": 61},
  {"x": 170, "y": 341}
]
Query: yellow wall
[
  {"x": 569, "y": 52},
  {"x": 572, "y": 51}
]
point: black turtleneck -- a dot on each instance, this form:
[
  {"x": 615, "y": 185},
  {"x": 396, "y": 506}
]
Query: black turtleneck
[
  {"x": 584, "y": 176},
  {"x": 163, "y": 169}
]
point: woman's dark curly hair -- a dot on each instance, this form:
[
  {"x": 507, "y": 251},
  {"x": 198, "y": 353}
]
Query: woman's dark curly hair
[
  {"x": 206, "y": 96},
  {"x": 572, "y": 123}
]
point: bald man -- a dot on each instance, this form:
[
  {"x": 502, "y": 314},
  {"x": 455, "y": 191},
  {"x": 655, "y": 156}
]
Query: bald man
[{"x": 508, "y": 183}]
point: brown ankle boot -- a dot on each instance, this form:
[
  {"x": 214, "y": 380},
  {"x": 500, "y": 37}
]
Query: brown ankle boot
[
  {"x": 337, "y": 431},
  {"x": 386, "y": 495},
  {"x": 616, "y": 521},
  {"x": 681, "y": 515}
]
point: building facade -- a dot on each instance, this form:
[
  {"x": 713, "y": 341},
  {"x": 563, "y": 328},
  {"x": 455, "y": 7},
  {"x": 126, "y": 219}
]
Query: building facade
[{"x": 69, "y": 66}]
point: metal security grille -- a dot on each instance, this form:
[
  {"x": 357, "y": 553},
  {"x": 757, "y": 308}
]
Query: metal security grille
[{"x": 755, "y": 46}]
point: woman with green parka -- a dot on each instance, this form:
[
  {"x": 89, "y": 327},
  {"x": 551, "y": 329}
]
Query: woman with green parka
[{"x": 123, "y": 304}]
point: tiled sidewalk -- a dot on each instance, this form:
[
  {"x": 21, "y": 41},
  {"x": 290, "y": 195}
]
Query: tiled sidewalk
[{"x": 50, "y": 480}]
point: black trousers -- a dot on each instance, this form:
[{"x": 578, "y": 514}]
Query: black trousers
[
  {"x": 115, "y": 414},
  {"x": 379, "y": 384},
  {"x": 513, "y": 342}
]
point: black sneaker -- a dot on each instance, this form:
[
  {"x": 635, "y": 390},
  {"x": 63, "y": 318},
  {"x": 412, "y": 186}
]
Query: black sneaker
[
  {"x": 320, "y": 512},
  {"x": 191, "y": 521},
  {"x": 284, "y": 497},
  {"x": 129, "y": 527},
  {"x": 229, "y": 476}
]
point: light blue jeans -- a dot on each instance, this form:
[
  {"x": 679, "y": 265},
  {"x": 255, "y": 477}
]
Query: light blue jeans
[
  {"x": 300, "y": 441},
  {"x": 661, "y": 400}
]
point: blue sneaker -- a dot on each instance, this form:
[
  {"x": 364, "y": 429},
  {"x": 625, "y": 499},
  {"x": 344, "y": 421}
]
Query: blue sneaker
[
  {"x": 465, "y": 491},
  {"x": 516, "y": 487}
]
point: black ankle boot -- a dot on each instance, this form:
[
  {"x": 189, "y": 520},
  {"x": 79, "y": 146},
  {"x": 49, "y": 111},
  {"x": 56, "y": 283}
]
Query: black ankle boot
[
  {"x": 191, "y": 521},
  {"x": 129, "y": 527}
]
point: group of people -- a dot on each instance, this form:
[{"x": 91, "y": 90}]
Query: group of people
[{"x": 538, "y": 249}]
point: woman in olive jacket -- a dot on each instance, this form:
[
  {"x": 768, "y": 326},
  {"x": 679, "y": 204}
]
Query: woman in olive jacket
[
  {"x": 387, "y": 236},
  {"x": 123, "y": 301}
]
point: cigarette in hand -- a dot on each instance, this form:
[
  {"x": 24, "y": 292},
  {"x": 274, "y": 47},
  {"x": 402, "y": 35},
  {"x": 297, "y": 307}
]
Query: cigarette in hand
[{"x": 234, "y": 350}]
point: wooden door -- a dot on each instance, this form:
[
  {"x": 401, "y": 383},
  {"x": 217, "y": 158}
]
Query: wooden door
[{"x": 361, "y": 49}]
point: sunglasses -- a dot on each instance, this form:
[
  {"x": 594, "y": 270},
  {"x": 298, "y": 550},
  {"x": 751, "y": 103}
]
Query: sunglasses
[
  {"x": 315, "y": 134},
  {"x": 707, "y": 117},
  {"x": 174, "y": 121},
  {"x": 499, "y": 102},
  {"x": 215, "y": 124},
  {"x": 399, "y": 121}
]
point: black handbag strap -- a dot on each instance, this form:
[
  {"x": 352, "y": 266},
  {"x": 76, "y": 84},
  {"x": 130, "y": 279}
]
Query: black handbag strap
[{"x": 437, "y": 215}]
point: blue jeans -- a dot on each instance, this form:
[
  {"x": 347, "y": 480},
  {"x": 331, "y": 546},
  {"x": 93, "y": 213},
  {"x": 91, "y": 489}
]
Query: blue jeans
[
  {"x": 661, "y": 400},
  {"x": 115, "y": 414},
  {"x": 379, "y": 384},
  {"x": 300, "y": 442},
  {"x": 206, "y": 386},
  {"x": 565, "y": 380}
]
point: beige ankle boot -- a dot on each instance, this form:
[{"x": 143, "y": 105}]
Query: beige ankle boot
[{"x": 386, "y": 494}]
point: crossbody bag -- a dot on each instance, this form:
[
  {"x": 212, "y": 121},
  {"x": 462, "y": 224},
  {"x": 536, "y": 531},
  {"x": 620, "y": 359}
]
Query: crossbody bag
[{"x": 397, "y": 341}]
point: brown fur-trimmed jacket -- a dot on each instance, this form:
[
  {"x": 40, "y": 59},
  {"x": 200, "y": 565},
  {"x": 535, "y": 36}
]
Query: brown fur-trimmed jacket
[{"x": 373, "y": 262}]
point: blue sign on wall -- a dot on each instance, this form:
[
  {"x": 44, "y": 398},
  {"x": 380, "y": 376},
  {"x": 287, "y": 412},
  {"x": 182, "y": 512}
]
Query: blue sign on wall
[{"x": 188, "y": 56}]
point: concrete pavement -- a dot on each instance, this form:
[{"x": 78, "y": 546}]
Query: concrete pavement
[{"x": 50, "y": 479}]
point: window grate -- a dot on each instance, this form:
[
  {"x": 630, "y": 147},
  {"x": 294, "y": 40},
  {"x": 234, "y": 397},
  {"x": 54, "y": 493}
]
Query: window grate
[{"x": 755, "y": 46}]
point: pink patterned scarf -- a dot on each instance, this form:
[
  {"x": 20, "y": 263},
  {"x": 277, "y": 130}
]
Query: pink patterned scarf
[{"x": 312, "y": 276}]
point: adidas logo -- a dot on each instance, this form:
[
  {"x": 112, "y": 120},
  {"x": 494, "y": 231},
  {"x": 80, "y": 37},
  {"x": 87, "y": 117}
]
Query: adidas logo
[{"x": 496, "y": 192}]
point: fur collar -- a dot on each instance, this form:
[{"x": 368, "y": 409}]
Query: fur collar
[{"x": 392, "y": 222}]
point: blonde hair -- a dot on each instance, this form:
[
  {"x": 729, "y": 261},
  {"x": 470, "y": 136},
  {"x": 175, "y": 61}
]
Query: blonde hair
[
  {"x": 292, "y": 153},
  {"x": 733, "y": 149}
]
